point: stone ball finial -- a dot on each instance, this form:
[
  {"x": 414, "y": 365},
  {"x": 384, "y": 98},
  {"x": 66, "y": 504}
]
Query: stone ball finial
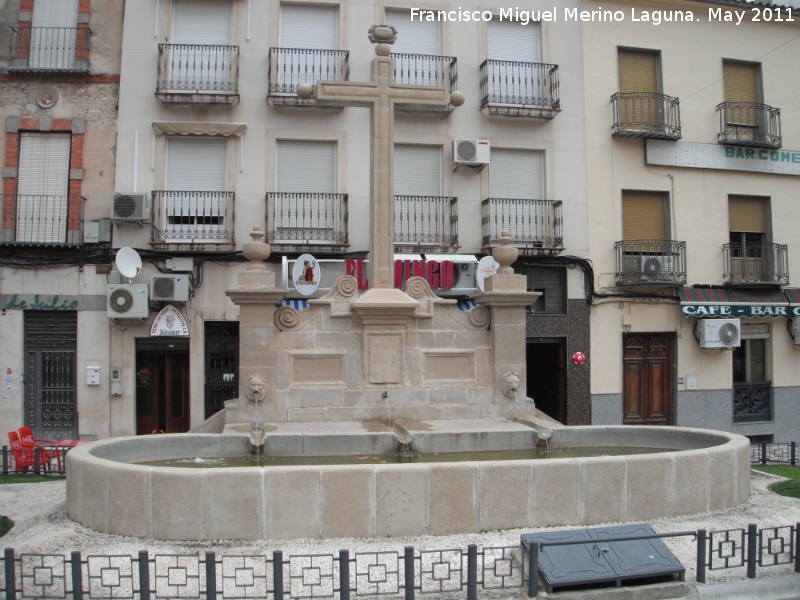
[
  {"x": 505, "y": 254},
  {"x": 384, "y": 36},
  {"x": 305, "y": 91},
  {"x": 256, "y": 251},
  {"x": 457, "y": 98}
]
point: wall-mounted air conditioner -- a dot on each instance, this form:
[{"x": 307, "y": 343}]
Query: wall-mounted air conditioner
[
  {"x": 720, "y": 333},
  {"x": 473, "y": 153},
  {"x": 657, "y": 266},
  {"x": 128, "y": 301},
  {"x": 172, "y": 288},
  {"x": 129, "y": 207}
]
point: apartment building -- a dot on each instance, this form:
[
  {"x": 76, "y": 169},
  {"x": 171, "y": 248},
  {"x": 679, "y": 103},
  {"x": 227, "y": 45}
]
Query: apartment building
[
  {"x": 694, "y": 156},
  {"x": 213, "y": 140},
  {"x": 59, "y": 76}
]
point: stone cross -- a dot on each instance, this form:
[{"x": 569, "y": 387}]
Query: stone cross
[{"x": 381, "y": 95}]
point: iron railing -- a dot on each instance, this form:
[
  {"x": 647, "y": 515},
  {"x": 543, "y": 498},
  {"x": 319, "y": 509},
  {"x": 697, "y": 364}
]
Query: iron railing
[
  {"x": 426, "y": 69},
  {"x": 289, "y": 67},
  {"x": 43, "y": 459},
  {"x": 530, "y": 223},
  {"x": 198, "y": 68},
  {"x": 307, "y": 218},
  {"x": 425, "y": 220},
  {"x": 749, "y": 124},
  {"x": 766, "y": 453},
  {"x": 752, "y": 401},
  {"x": 520, "y": 83},
  {"x": 646, "y": 115},
  {"x": 49, "y": 48},
  {"x": 651, "y": 261},
  {"x": 751, "y": 263},
  {"x": 190, "y": 217},
  {"x": 42, "y": 220}
]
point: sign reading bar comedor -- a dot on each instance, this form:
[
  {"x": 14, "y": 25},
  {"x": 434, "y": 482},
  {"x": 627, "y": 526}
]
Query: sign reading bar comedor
[{"x": 728, "y": 158}]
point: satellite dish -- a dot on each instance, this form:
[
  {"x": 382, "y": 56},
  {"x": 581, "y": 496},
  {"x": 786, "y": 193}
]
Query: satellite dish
[{"x": 128, "y": 262}]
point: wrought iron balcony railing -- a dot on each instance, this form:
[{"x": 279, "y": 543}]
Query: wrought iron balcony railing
[
  {"x": 646, "y": 115},
  {"x": 520, "y": 85},
  {"x": 651, "y": 262},
  {"x": 192, "y": 217},
  {"x": 289, "y": 67},
  {"x": 299, "y": 218},
  {"x": 198, "y": 69},
  {"x": 425, "y": 221},
  {"x": 752, "y": 402},
  {"x": 426, "y": 69},
  {"x": 535, "y": 226},
  {"x": 753, "y": 263},
  {"x": 49, "y": 48},
  {"x": 749, "y": 124},
  {"x": 40, "y": 220}
]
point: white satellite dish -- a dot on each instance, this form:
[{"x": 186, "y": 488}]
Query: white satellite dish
[{"x": 128, "y": 262}]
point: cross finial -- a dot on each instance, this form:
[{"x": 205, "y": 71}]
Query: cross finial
[{"x": 384, "y": 36}]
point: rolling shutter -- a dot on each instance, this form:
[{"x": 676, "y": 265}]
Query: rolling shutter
[
  {"x": 306, "y": 173},
  {"x": 417, "y": 170},
  {"x": 510, "y": 47},
  {"x": 309, "y": 27},
  {"x": 552, "y": 282},
  {"x": 201, "y": 22},
  {"x": 638, "y": 71},
  {"x": 508, "y": 40},
  {"x": 516, "y": 174},
  {"x": 54, "y": 34},
  {"x": 741, "y": 81},
  {"x": 643, "y": 216},
  {"x": 747, "y": 214},
  {"x": 43, "y": 187},
  {"x": 414, "y": 37}
]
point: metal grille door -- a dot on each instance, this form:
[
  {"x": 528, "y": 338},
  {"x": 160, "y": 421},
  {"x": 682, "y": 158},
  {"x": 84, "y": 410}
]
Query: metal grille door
[
  {"x": 50, "y": 355},
  {"x": 222, "y": 364}
]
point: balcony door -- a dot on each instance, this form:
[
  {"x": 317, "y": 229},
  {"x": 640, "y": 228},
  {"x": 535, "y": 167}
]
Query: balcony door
[
  {"x": 748, "y": 232},
  {"x": 512, "y": 51},
  {"x": 201, "y": 29},
  {"x": 307, "y": 32},
  {"x": 638, "y": 78},
  {"x": 420, "y": 215},
  {"x": 515, "y": 178},
  {"x": 418, "y": 42},
  {"x": 742, "y": 90},
  {"x": 54, "y": 29},
  {"x": 43, "y": 187},
  {"x": 647, "y": 379}
]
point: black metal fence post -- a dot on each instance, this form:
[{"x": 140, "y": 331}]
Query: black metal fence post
[
  {"x": 344, "y": 575},
  {"x": 144, "y": 575},
  {"x": 5, "y": 460},
  {"x": 77, "y": 579},
  {"x": 763, "y": 453},
  {"x": 277, "y": 574},
  {"x": 211, "y": 576},
  {"x": 11, "y": 579},
  {"x": 472, "y": 572},
  {"x": 752, "y": 550},
  {"x": 37, "y": 465},
  {"x": 701, "y": 556},
  {"x": 533, "y": 570},
  {"x": 797, "y": 547},
  {"x": 794, "y": 454},
  {"x": 408, "y": 564}
]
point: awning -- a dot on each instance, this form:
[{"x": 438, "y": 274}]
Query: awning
[
  {"x": 724, "y": 303},
  {"x": 793, "y": 296},
  {"x": 198, "y": 128}
]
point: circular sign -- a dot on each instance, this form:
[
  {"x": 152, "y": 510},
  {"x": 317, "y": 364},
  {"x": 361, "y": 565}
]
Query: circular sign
[
  {"x": 578, "y": 358},
  {"x": 306, "y": 274},
  {"x": 487, "y": 266}
]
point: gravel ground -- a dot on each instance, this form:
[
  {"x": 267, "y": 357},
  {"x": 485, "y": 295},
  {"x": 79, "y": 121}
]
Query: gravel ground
[{"x": 43, "y": 526}]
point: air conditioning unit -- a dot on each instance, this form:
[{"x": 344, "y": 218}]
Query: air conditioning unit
[
  {"x": 128, "y": 301},
  {"x": 129, "y": 207},
  {"x": 720, "y": 333},
  {"x": 464, "y": 274},
  {"x": 169, "y": 288},
  {"x": 472, "y": 153},
  {"x": 657, "y": 267},
  {"x": 796, "y": 331}
]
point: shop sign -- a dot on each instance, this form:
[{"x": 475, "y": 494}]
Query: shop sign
[
  {"x": 440, "y": 275},
  {"x": 169, "y": 322},
  {"x": 306, "y": 274},
  {"x": 733, "y": 311},
  {"x": 37, "y": 302},
  {"x": 727, "y": 158}
]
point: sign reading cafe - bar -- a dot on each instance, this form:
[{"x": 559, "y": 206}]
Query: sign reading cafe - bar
[
  {"x": 729, "y": 158},
  {"x": 720, "y": 303}
]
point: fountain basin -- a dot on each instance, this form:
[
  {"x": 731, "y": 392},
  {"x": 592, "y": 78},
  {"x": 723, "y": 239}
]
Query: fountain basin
[{"x": 707, "y": 470}]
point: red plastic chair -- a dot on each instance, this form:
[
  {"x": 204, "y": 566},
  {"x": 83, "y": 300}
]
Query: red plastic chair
[
  {"x": 27, "y": 439},
  {"x": 23, "y": 455}
]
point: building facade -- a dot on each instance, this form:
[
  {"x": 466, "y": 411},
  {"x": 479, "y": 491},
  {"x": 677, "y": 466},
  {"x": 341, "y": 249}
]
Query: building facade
[
  {"x": 59, "y": 74},
  {"x": 693, "y": 138}
]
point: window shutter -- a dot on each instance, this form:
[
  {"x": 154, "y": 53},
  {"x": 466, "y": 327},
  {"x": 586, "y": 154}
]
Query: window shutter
[
  {"x": 741, "y": 81},
  {"x": 197, "y": 164},
  {"x": 516, "y": 174},
  {"x": 54, "y": 34},
  {"x": 201, "y": 22},
  {"x": 553, "y": 282},
  {"x": 417, "y": 170},
  {"x": 643, "y": 216},
  {"x": 508, "y": 40},
  {"x": 747, "y": 214},
  {"x": 638, "y": 71},
  {"x": 55, "y": 13},
  {"x": 307, "y": 170},
  {"x": 309, "y": 27},
  {"x": 43, "y": 187},
  {"x": 414, "y": 37}
]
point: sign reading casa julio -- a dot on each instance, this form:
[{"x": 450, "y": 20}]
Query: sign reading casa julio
[{"x": 729, "y": 158}]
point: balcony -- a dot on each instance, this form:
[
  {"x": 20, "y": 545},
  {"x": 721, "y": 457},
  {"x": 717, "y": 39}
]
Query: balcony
[
  {"x": 189, "y": 217},
  {"x": 519, "y": 89},
  {"x": 425, "y": 221},
  {"x": 646, "y": 115},
  {"x": 300, "y": 220},
  {"x": 535, "y": 226},
  {"x": 755, "y": 263},
  {"x": 425, "y": 70},
  {"x": 192, "y": 74},
  {"x": 749, "y": 124},
  {"x": 49, "y": 49},
  {"x": 752, "y": 402},
  {"x": 35, "y": 220},
  {"x": 650, "y": 262},
  {"x": 289, "y": 67}
]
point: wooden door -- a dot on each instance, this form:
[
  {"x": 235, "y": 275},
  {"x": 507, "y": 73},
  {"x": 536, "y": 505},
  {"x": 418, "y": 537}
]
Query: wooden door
[
  {"x": 647, "y": 381},
  {"x": 162, "y": 392}
]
